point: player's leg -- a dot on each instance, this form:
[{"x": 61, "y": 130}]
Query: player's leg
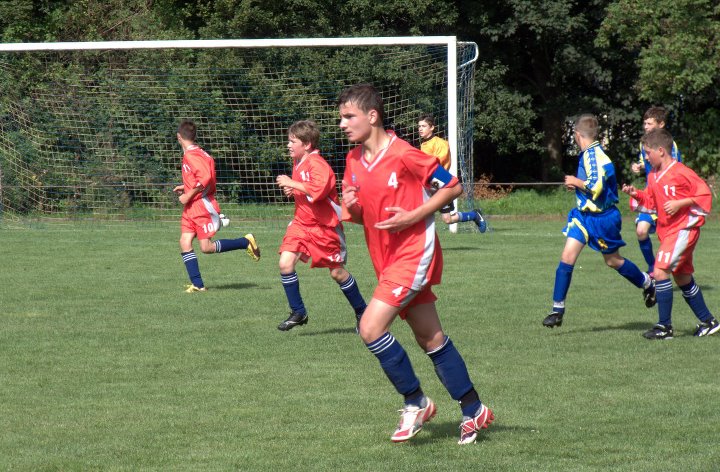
[
  {"x": 374, "y": 331},
  {"x": 208, "y": 222},
  {"x": 450, "y": 369},
  {"x": 190, "y": 260},
  {"x": 291, "y": 285},
  {"x": 664, "y": 293},
  {"x": 350, "y": 289},
  {"x": 563, "y": 277},
  {"x": 634, "y": 275},
  {"x": 644, "y": 224},
  {"x": 683, "y": 273}
]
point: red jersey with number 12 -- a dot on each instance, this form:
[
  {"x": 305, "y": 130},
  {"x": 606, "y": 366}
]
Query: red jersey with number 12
[
  {"x": 399, "y": 176},
  {"x": 676, "y": 182}
]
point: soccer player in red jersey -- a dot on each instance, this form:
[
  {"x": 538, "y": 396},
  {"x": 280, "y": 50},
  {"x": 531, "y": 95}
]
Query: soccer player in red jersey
[
  {"x": 393, "y": 190},
  {"x": 315, "y": 233},
  {"x": 201, "y": 212},
  {"x": 681, "y": 200}
]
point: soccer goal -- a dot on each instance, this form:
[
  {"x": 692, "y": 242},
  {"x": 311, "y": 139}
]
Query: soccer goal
[{"x": 87, "y": 130}]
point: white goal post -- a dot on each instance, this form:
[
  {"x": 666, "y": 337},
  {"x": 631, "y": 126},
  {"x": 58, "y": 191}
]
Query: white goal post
[{"x": 87, "y": 128}]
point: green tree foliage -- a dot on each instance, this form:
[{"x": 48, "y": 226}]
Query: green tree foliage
[{"x": 675, "y": 43}]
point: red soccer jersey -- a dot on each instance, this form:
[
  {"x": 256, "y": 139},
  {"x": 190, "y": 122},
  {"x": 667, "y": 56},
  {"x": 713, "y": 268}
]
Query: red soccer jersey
[
  {"x": 320, "y": 205},
  {"x": 198, "y": 168},
  {"x": 399, "y": 176},
  {"x": 677, "y": 182}
]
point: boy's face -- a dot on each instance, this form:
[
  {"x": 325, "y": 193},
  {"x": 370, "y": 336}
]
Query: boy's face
[
  {"x": 655, "y": 156},
  {"x": 355, "y": 123},
  {"x": 425, "y": 130},
  {"x": 296, "y": 148},
  {"x": 651, "y": 124}
]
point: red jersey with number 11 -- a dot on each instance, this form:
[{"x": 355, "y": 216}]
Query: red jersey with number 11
[{"x": 676, "y": 182}]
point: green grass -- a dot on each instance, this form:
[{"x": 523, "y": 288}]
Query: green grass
[{"x": 108, "y": 365}]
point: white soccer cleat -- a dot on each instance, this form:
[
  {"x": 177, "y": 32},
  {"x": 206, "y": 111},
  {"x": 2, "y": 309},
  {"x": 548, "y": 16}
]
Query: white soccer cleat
[
  {"x": 412, "y": 418},
  {"x": 224, "y": 221}
]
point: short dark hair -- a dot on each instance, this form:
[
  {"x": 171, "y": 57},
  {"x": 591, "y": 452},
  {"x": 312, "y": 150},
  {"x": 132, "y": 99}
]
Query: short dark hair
[
  {"x": 187, "y": 130},
  {"x": 587, "y": 125},
  {"x": 306, "y": 131},
  {"x": 427, "y": 118},
  {"x": 658, "y": 138},
  {"x": 365, "y": 97},
  {"x": 659, "y": 114}
]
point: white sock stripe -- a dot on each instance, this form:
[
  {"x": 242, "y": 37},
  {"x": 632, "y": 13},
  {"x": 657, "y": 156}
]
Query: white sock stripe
[
  {"x": 381, "y": 344},
  {"x": 348, "y": 283},
  {"x": 289, "y": 279},
  {"x": 218, "y": 246},
  {"x": 692, "y": 292},
  {"x": 189, "y": 256},
  {"x": 663, "y": 286},
  {"x": 447, "y": 340}
]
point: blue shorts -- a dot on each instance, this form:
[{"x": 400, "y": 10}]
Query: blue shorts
[
  {"x": 648, "y": 218},
  {"x": 600, "y": 231}
]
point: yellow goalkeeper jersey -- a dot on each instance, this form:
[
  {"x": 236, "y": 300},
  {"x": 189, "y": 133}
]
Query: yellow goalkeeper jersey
[{"x": 438, "y": 147}]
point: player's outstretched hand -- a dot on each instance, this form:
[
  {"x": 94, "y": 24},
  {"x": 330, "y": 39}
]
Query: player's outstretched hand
[
  {"x": 398, "y": 222},
  {"x": 630, "y": 190}
]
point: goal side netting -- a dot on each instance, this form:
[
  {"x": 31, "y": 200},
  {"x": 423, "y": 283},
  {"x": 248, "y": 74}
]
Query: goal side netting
[{"x": 90, "y": 132}]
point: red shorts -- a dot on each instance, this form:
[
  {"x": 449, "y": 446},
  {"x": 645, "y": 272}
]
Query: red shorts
[
  {"x": 201, "y": 218},
  {"x": 402, "y": 297},
  {"x": 324, "y": 245},
  {"x": 676, "y": 251}
]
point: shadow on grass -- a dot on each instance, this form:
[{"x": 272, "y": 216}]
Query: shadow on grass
[
  {"x": 630, "y": 326},
  {"x": 236, "y": 286},
  {"x": 435, "y": 431},
  {"x": 329, "y": 331}
]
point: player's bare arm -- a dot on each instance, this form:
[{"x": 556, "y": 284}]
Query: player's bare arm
[
  {"x": 186, "y": 197},
  {"x": 287, "y": 184},
  {"x": 402, "y": 218},
  {"x": 572, "y": 183},
  {"x": 178, "y": 190},
  {"x": 672, "y": 206}
]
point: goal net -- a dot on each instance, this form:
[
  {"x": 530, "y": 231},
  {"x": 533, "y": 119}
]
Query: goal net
[{"x": 87, "y": 130}]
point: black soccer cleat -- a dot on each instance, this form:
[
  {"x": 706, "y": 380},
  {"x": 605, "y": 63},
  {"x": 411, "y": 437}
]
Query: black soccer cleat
[
  {"x": 293, "y": 320},
  {"x": 649, "y": 294},
  {"x": 659, "y": 331},
  {"x": 706, "y": 328},
  {"x": 553, "y": 319}
]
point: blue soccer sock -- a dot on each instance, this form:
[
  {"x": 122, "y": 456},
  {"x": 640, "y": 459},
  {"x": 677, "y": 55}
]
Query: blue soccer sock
[
  {"x": 647, "y": 251},
  {"x": 563, "y": 277},
  {"x": 694, "y": 298},
  {"x": 225, "y": 245},
  {"x": 664, "y": 294},
  {"x": 452, "y": 372},
  {"x": 193, "y": 268},
  {"x": 352, "y": 292},
  {"x": 396, "y": 364},
  {"x": 466, "y": 216},
  {"x": 291, "y": 284},
  {"x": 631, "y": 272}
]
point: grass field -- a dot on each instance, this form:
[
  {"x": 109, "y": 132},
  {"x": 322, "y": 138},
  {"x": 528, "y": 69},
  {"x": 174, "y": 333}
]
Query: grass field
[{"x": 108, "y": 365}]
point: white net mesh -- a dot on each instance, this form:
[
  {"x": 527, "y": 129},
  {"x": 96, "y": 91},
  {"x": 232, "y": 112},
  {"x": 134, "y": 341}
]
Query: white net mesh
[{"x": 91, "y": 134}]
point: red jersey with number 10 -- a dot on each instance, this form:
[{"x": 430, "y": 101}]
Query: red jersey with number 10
[
  {"x": 399, "y": 176},
  {"x": 320, "y": 205},
  {"x": 676, "y": 182}
]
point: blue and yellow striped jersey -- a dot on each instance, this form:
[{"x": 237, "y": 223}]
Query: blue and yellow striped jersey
[
  {"x": 598, "y": 172},
  {"x": 642, "y": 158}
]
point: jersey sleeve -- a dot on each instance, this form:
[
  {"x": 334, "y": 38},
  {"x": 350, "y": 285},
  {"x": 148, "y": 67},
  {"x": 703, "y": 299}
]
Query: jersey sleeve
[
  {"x": 322, "y": 180},
  {"x": 347, "y": 180},
  {"x": 701, "y": 193},
  {"x": 645, "y": 202},
  {"x": 200, "y": 171},
  {"x": 423, "y": 166},
  {"x": 595, "y": 175}
]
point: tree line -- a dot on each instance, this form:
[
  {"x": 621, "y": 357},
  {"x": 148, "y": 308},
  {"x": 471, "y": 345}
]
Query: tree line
[{"x": 541, "y": 61}]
